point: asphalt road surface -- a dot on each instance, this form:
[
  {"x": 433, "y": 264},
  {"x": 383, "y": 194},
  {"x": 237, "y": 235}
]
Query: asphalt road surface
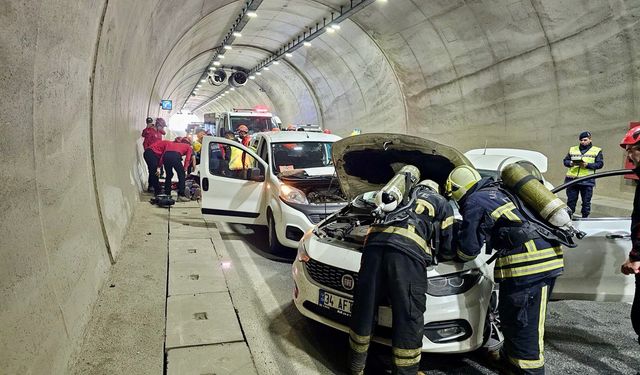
[{"x": 581, "y": 337}]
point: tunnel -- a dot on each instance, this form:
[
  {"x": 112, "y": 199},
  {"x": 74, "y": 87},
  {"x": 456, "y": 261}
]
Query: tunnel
[{"x": 79, "y": 77}]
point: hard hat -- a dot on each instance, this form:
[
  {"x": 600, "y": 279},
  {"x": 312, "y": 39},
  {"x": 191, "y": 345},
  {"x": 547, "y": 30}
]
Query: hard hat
[
  {"x": 631, "y": 138},
  {"x": 243, "y": 128},
  {"x": 160, "y": 122},
  {"x": 460, "y": 180},
  {"x": 356, "y": 131},
  {"x": 149, "y": 120},
  {"x": 326, "y": 131},
  {"x": 431, "y": 185},
  {"x": 291, "y": 127}
]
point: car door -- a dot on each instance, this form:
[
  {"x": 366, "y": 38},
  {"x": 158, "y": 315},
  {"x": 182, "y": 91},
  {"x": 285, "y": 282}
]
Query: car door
[
  {"x": 592, "y": 269},
  {"x": 231, "y": 194}
]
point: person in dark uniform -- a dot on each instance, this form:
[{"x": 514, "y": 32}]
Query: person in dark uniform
[
  {"x": 394, "y": 264},
  {"x": 526, "y": 268},
  {"x": 582, "y": 160},
  {"x": 631, "y": 144}
]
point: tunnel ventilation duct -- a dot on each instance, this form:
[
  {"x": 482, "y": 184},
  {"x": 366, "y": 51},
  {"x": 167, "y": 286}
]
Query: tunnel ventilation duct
[
  {"x": 238, "y": 79},
  {"x": 217, "y": 78}
]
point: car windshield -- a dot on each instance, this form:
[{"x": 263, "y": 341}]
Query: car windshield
[
  {"x": 255, "y": 124},
  {"x": 300, "y": 155},
  {"x": 488, "y": 173}
]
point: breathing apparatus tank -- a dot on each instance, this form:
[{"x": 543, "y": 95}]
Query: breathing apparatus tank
[
  {"x": 538, "y": 198},
  {"x": 392, "y": 194}
]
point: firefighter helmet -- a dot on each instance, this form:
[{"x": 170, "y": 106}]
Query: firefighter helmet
[
  {"x": 631, "y": 138},
  {"x": 431, "y": 185},
  {"x": 460, "y": 180},
  {"x": 243, "y": 128}
]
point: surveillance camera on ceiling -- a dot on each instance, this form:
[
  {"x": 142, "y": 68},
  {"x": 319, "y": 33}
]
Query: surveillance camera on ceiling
[
  {"x": 238, "y": 79},
  {"x": 217, "y": 78}
]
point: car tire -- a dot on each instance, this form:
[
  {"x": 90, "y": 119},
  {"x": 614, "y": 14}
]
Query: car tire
[
  {"x": 492, "y": 339},
  {"x": 274, "y": 244}
]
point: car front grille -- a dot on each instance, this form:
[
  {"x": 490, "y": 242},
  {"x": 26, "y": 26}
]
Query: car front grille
[
  {"x": 380, "y": 331},
  {"x": 316, "y": 218},
  {"x": 330, "y": 276}
]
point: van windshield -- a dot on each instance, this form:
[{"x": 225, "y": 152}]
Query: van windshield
[
  {"x": 255, "y": 124},
  {"x": 301, "y": 155}
]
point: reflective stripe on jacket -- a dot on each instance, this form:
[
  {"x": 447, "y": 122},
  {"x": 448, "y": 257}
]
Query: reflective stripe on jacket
[
  {"x": 484, "y": 211},
  {"x": 588, "y": 157},
  {"x": 413, "y": 235}
]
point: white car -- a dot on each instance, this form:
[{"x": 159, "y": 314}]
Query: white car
[
  {"x": 460, "y": 309},
  {"x": 592, "y": 269},
  {"x": 289, "y": 186}
]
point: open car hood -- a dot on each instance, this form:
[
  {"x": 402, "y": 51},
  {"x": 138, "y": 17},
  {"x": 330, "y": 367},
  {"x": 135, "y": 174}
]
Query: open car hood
[{"x": 367, "y": 162}]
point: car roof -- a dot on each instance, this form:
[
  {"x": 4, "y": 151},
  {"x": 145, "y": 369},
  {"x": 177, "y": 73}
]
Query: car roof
[
  {"x": 297, "y": 136},
  {"x": 492, "y": 162}
]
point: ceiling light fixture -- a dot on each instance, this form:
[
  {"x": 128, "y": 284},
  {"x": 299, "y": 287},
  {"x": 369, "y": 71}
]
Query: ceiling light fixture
[
  {"x": 307, "y": 44},
  {"x": 227, "y": 47},
  {"x": 203, "y": 80},
  {"x": 335, "y": 26},
  {"x": 252, "y": 14},
  {"x": 331, "y": 30},
  {"x": 288, "y": 54},
  {"x": 276, "y": 63},
  {"x": 258, "y": 73},
  {"x": 216, "y": 63},
  {"x": 221, "y": 56},
  {"x": 266, "y": 68},
  {"x": 237, "y": 34},
  {"x": 252, "y": 77}
]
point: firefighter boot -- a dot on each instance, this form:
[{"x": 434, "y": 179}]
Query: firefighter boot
[{"x": 357, "y": 362}]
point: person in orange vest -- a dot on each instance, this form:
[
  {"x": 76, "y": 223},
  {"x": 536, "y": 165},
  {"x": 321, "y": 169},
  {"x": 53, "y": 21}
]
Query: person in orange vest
[{"x": 582, "y": 160}]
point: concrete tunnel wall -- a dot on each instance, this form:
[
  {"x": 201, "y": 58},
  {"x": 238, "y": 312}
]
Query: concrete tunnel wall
[{"x": 80, "y": 76}]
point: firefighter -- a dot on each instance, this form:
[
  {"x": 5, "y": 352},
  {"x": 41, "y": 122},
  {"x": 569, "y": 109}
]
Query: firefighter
[
  {"x": 582, "y": 160},
  {"x": 631, "y": 145},
  {"x": 526, "y": 268},
  {"x": 394, "y": 263}
]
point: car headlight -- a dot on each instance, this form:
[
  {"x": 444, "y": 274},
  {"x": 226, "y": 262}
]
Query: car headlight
[
  {"x": 292, "y": 195},
  {"x": 303, "y": 256},
  {"x": 455, "y": 283}
]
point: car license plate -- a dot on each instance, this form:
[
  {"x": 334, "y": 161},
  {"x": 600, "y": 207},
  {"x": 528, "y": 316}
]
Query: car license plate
[{"x": 334, "y": 302}]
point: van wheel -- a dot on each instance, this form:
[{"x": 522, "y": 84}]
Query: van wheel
[{"x": 274, "y": 244}]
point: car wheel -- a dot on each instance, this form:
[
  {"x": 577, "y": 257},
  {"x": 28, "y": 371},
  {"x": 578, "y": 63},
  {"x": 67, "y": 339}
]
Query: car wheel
[
  {"x": 274, "y": 244},
  {"x": 492, "y": 339}
]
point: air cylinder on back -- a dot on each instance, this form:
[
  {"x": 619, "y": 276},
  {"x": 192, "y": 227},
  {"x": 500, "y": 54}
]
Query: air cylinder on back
[
  {"x": 388, "y": 198},
  {"x": 536, "y": 195}
]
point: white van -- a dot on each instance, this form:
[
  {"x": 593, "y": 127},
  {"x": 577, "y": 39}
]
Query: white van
[
  {"x": 257, "y": 120},
  {"x": 287, "y": 183}
]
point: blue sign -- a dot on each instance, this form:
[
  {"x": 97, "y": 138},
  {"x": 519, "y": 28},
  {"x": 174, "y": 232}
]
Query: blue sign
[{"x": 166, "y": 104}]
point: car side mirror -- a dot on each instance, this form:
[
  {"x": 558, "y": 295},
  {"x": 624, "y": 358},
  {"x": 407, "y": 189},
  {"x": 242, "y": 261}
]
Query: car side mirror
[{"x": 254, "y": 174}]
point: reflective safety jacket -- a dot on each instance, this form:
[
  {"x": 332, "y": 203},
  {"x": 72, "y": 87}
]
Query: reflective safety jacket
[
  {"x": 487, "y": 213},
  {"x": 237, "y": 160},
  {"x": 417, "y": 228},
  {"x": 591, "y": 155}
]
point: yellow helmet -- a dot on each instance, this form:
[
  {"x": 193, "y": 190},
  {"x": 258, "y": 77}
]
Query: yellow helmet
[
  {"x": 460, "y": 180},
  {"x": 431, "y": 185}
]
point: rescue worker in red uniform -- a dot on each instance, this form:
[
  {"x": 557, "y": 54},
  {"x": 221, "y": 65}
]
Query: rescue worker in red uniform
[
  {"x": 152, "y": 157},
  {"x": 526, "y": 267},
  {"x": 394, "y": 264},
  {"x": 172, "y": 159},
  {"x": 152, "y": 134},
  {"x": 631, "y": 144}
]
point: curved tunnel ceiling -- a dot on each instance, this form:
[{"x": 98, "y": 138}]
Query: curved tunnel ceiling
[{"x": 433, "y": 68}]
